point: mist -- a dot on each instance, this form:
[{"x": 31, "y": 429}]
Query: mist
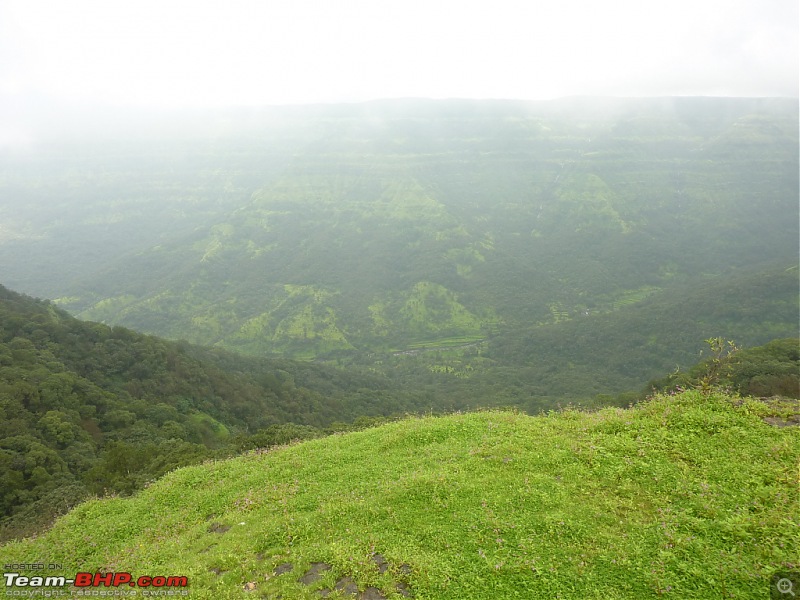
[{"x": 244, "y": 53}]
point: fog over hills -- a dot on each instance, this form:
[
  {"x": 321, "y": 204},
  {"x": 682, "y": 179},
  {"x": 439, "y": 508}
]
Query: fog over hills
[{"x": 430, "y": 234}]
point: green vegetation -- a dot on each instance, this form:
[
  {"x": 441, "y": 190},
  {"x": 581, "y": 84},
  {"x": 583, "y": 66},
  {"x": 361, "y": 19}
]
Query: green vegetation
[
  {"x": 540, "y": 367},
  {"x": 329, "y": 270},
  {"x": 765, "y": 371},
  {"x": 689, "y": 496},
  {"x": 346, "y": 234},
  {"x": 90, "y": 409}
]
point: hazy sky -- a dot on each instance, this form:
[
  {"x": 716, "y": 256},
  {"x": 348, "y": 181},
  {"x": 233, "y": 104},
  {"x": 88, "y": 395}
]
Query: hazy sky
[{"x": 210, "y": 52}]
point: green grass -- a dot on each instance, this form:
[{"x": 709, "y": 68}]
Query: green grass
[
  {"x": 450, "y": 342},
  {"x": 432, "y": 308},
  {"x": 213, "y": 429},
  {"x": 628, "y": 297},
  {"x": 680, "y": 497}
]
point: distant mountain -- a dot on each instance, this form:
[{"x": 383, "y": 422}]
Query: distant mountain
[{"x": 345, "y": 232}]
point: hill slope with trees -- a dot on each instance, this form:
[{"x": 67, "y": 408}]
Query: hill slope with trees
[
  {"x": 336, "y": 232},
  {"x": 91, "y": 409}
]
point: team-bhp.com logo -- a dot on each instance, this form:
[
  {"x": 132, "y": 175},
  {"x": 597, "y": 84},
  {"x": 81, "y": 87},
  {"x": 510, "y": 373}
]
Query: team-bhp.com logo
[{"x": 94, "y": 580}]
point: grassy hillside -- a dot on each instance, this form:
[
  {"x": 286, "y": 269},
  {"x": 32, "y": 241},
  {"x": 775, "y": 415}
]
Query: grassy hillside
[{"x": 684, "y": 496}]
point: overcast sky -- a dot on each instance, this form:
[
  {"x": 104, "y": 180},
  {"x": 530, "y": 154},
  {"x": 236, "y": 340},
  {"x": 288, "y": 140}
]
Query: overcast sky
[{"x": 251, "y": 52}]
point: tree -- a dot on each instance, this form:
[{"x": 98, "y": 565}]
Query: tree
[{"x": 719, "y": 365}]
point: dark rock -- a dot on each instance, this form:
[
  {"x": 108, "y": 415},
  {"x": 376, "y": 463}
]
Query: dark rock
[
  {"x": 381, "y": 562},
  {"x": 372, "y": 593},
  {"x": 793, "y": 421},
  {"x": 403, "y": 589},
  {"x": 346, "y": 585},
  {"x": 313, "y": 574}
]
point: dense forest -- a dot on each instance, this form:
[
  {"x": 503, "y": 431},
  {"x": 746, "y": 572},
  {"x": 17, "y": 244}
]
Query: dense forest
[
  {"x": 341, "y": 232},
  {"x": 91, "y": 409}
]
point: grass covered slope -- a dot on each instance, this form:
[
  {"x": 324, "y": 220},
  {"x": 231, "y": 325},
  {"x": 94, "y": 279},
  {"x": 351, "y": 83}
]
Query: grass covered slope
[{"x": 682, "y": 496}]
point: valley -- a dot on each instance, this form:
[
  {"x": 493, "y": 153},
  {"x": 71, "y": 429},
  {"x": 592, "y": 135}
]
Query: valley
[{"x": 344, "y": 233}]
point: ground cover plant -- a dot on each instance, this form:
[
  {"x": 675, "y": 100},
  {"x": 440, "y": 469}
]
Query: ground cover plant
[{"x": 685, "y": 495}]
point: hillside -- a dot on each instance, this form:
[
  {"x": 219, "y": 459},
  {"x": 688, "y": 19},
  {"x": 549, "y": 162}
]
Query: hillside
[
  {"x": 685, "y": 496},
  {"x": 90, "y": 409},
  {"x": 342, "y": 232},
  {"x": 540, "y": 367}
]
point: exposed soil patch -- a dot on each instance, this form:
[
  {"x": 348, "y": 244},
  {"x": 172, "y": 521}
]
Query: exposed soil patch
[
  {"x": 218, "y": 528},
  {"x": 346, "y": 586},
  {"x": 403, "y": 589},
  {"x": 381, "y": 562},
  {"x": 793, "y": 421},
  {"x": 283, "y": 568},
  {"x": 781, "y": 404}
]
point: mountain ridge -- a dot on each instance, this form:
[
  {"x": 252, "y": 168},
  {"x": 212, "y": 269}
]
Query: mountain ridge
[{"x": 371, "y": 210}]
